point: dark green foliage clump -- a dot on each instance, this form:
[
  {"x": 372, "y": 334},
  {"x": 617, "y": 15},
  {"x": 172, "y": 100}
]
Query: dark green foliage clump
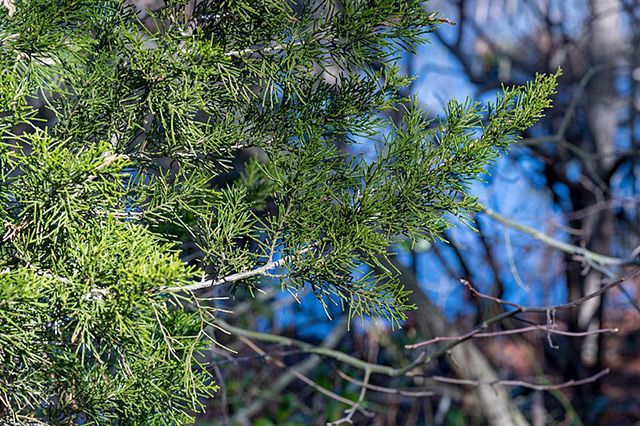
[{"x": 137, "y": 161}]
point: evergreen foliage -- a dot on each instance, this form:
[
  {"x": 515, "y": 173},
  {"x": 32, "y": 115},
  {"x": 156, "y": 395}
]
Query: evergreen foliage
[{"x": 131, "y": 163}]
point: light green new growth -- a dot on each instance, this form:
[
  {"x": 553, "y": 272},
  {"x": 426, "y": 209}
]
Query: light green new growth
[{"x": 131, "y": 166}]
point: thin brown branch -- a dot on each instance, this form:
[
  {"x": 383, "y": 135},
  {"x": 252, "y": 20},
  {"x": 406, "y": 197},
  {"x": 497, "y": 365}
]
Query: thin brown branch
[
  {"x": 521, "y": 330},
  {"x": 304, "y": 378},
  {"x": 522, "y": 383},
  {"x": 351, "y": 411},
  {"x": 387, "y": 390},
  {"x": 277, "y": 386},
  {"x": 521, "y": 309},
  {"x": 558, "y": 307}
]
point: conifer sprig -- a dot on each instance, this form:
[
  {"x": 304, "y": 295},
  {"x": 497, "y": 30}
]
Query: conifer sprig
[{"x": 124, "y": 181}]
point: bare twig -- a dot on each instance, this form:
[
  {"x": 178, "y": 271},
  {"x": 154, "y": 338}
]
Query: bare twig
[
  {"x": 322, "y": 351},
  {"x": 223, "y": 391},
  {"x": 519, "y": 309},
  {"x": 560, "y": 307},
  {"x": 387, "y": 390},
  {"x": 351, "y": 411},
  {"x": 592, "y": 259},
  {"x": 522, "y": 383},
  {"x": 304, "y": 378},
  {"x": 512, "y": 263},
  {"x": 521, "y": 330},
  {"x": 277, "y": 48},
  {"x": 263, "y": 270},
  {"x": 321, "y": 36},
  {"x": 280, "y": 384},
  {"x": 580, "y": 252}
]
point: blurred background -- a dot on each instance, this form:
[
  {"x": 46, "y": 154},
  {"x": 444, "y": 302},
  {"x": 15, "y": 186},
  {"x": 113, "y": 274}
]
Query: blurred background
[{"x": 569, "y": 186}]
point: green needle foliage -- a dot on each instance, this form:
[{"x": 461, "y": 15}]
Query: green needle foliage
[{"x": 121, "y": 188}]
